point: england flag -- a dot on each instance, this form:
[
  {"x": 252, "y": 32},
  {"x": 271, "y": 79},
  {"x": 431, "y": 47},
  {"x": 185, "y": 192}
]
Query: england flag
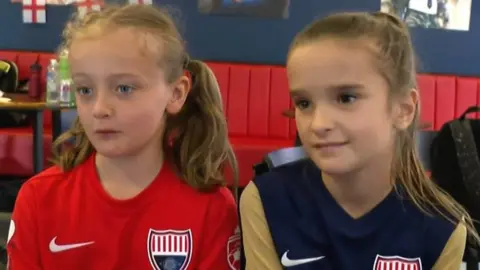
[
  {"x": 34, "y": 11},
  {"x": 85, "y": 6}
]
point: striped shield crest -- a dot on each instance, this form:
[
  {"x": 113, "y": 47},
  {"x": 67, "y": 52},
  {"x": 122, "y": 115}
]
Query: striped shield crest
[
  {"x": 169, "y": 249},
  {"x": 397, "y": 263}
]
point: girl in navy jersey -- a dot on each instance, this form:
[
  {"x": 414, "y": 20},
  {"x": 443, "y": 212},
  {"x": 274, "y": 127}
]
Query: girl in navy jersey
[
  {"x": 141, "y": 184},
  {"x": 362, "y": 200}
]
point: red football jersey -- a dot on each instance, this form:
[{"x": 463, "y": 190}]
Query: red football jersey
[{"x": 68, "y": 221}]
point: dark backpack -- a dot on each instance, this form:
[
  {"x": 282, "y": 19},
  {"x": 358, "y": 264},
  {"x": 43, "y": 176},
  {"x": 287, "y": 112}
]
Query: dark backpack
[
  {"x": 9, "y": 84},
  {"x": 455, "y": 166},
  {"x": 8, "y": 76}
]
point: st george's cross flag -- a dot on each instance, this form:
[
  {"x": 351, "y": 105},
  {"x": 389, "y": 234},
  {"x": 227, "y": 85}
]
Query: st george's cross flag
[
  {"x": 85, "y": 6},
  {"x": 34, "y": 11}
]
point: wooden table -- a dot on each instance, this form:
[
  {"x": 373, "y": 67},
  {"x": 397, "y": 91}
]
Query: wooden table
[{"x": 34, "y": 108}]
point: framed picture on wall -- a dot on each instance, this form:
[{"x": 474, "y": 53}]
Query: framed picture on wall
[
  {"x": 437, "y": 14},
  {"x": 52, "y": 2},
  {"x": 251, "y": 8},
  {"x": 60, "y": 2}
]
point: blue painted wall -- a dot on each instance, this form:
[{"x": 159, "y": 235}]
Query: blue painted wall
[{"x": 256, "y": 40}]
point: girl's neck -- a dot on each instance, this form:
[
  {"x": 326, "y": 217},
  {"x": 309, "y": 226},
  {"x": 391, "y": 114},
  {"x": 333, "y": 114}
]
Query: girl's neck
[
  {"x": 125, "y": 177},
  {"x": 362, "y": 190}
]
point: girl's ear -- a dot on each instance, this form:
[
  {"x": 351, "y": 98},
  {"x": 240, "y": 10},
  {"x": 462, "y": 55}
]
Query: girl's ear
[
  {"x": 180, "y": 91},
  {"x": 405, "y": 110}
]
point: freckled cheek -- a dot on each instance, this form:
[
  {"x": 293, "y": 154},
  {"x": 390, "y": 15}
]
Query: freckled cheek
[
  {"x": 84, "y": 107},
  {"x": 148, "y": 118},
  {"x": 85, "y": 116}
]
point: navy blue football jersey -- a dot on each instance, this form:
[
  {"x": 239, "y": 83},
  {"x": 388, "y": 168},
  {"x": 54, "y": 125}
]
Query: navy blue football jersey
[{"x": 311, "y": 231}]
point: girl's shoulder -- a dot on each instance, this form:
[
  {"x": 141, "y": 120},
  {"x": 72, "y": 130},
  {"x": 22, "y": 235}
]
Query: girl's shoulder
[
  {"x": 439, "y": 230},
  {"x": 287, "y": 176},
  {"x": 49, "y": 179}
]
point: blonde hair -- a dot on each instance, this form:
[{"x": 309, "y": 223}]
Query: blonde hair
[
  {"x": 195, "y": 139},
  {"x": 395, "y": 57}
]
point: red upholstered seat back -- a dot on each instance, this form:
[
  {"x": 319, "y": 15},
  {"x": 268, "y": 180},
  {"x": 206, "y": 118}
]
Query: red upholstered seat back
[
  {"x": 444, "y": 98},
  {"x": 254, "y": 98}
]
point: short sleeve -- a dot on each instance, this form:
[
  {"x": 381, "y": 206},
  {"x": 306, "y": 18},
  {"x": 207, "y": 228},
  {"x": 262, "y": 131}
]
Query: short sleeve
[
  {"x": 452, "y": 254},
  {"x": 260, "y": 252},
  {"x": 22, "y": 246}
]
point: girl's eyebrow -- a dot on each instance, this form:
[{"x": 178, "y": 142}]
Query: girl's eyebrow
[
  {"x": 295, "y": 92},
  {"x": 114, "y": 76},
  {"x": 344, "y": 87},
  {"x": 298, "y": 92}
]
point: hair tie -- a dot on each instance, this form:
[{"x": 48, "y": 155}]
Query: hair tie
[{"x": 186, "y": 61}]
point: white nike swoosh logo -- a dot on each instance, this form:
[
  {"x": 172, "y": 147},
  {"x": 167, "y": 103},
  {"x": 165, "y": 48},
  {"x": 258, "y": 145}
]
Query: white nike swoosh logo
[
  {"x": 59, "y": 248},
  {"x": 289, "y": 263}
]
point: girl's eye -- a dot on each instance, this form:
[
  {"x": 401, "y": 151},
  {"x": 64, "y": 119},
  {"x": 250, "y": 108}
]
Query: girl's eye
[
  {"x": 125, "y": 89},
  {"x": 85, "y": 91},
  {"x": 346, "y": 98},
  {"x": 302, "y": 104}
]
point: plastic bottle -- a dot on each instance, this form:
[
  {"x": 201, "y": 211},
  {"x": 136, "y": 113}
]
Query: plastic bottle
[
  {"x": 52, "y": 94},
  {"x": 66, "y": 95}
]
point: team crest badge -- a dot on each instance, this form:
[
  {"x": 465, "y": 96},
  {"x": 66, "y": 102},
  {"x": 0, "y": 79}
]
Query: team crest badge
[
  {"x": 170, "y": 249},
  {"x": 397, "y": 263},
  {"x": 233, "y": 250}
]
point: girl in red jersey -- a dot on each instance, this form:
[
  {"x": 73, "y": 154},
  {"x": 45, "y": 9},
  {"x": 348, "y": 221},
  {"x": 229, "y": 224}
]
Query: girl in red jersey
[{"x": 142, "y": 185}]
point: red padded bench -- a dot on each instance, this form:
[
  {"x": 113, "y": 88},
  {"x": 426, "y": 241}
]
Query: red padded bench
[
  {"x": 444, "y": 98},
  {"x": 254, "y": 98}
]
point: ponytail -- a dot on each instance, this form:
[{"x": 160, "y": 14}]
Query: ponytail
[{"x": 197, "y": 136}]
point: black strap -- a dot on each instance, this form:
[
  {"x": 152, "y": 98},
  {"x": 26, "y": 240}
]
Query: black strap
[
  {"x": 467, "y": 156},
  {"x": 469, "y": 164},
  {"x": 471, "y": 109}
]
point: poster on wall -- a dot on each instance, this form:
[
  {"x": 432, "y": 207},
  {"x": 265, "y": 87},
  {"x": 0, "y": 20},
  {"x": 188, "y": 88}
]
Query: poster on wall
[
  {"x": 437, "y": 14},
  {"x": 249, "y": 8},
  {"x": 51, "y": 2},
  {"x": 124, "y": 2},
  {"x": 60, "y": 2}
]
